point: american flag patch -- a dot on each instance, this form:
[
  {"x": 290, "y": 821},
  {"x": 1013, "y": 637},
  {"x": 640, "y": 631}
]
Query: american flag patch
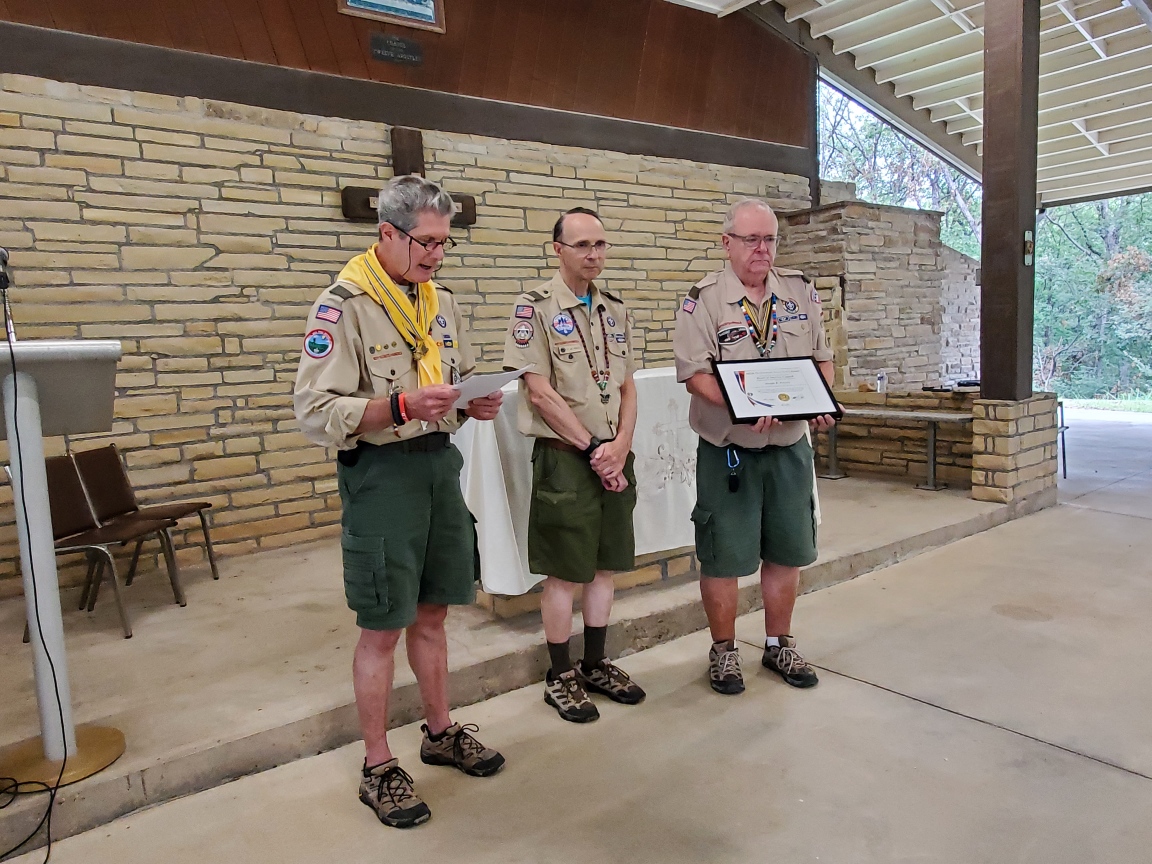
[
  {"x": 525, "y": 311},
  {"x": 689, "y": 305},
  {"x": 329, "y": 313}
]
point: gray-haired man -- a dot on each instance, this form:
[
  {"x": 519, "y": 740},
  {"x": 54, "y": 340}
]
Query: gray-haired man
[{"x": 383, "y": 350}]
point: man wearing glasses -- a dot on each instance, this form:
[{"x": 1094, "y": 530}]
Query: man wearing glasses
[
  {"x": 754, "y": 483},
  {"x": 579, "y": 403},
  {"x": 383, "y": 349}
]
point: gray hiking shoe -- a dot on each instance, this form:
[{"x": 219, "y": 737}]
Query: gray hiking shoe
[
  {"x": 610, "y": 680},
  {"x": 457, "y": 747},
  {"x": 566, "y": 694},
  {"x": 724, "y": 669},
  {"x": 387, "y": 789},
  {"x": 786, "y": 662}
]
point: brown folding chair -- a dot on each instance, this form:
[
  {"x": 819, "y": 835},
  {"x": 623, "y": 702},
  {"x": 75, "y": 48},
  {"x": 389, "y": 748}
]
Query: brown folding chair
[
  {"x": 75, "y": 529},
  {"x": 113, "y": 500}
]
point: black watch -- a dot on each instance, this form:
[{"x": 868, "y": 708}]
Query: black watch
[{"x": 591, "y": 448}]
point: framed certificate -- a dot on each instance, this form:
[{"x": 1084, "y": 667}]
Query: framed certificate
[{"x": 784, "y": 388}]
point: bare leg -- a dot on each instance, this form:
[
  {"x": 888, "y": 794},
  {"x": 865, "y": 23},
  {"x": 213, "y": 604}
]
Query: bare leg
[
  {"x": 373, "y": 667},
  {"x": 779, "y": 585},
  {"x": 720, "y": 597},
  {"x": 428, "y": 656},
  {"x": 556, "y": 609},
  {"x": 597, "y": 600}
]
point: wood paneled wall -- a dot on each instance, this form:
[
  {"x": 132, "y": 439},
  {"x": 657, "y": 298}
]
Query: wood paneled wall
[{"x": 646, "y": 60}]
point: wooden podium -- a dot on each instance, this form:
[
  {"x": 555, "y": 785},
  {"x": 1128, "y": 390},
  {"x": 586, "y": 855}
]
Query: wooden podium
[{"x": 52, "y": 388}]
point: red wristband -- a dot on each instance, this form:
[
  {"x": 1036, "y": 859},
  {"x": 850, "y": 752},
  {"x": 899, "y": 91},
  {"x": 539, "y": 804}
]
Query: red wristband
[{"x": 404, "y": 409}]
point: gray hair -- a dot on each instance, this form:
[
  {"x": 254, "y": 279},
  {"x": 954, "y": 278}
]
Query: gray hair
[
  {"x": 730, "y": 219},
  {"x": 404, "y": 198}
]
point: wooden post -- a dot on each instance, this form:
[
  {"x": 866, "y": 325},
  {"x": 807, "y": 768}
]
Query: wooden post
[{"x": 1011, "y": 88}]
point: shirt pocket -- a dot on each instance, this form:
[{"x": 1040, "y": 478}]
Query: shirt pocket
[
  {"x": 618, "y": 353},
  {"x": 797, "y": 337},
  {"x": 450, "y": 362}
]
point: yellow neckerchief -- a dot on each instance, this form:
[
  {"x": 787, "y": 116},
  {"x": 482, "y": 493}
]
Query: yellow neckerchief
[{"x": 412, "y": 322}]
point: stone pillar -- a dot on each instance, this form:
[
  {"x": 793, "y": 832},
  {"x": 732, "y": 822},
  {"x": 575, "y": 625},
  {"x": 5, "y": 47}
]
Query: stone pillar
[{"x": 1014, "y": 451}]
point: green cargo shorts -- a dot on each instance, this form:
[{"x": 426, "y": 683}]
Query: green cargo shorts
[
  {"x": 408, "y": 535},
  {"x": 575, "y": 525},
  {"x": 770, "y": 517}
]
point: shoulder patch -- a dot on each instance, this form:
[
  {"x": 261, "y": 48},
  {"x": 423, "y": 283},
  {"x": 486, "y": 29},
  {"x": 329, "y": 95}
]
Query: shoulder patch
[
  {"x": 341, "y": 292},
  {"x": 694, "y": 293}
]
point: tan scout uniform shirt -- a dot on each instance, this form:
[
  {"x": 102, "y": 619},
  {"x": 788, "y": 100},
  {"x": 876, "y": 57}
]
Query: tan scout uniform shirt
[
  {"x": 352, "y": 354},
  {"x": 545, "y": 330},
  {"x": 710, "y": 325}
]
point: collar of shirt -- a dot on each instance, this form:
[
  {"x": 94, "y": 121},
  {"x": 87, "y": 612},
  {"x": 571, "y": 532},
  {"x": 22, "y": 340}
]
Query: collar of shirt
[
  {"x": 568, "y": 299},
  {"x": 734, "y": 290}
]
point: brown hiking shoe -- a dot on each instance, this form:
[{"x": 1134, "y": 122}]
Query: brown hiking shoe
[
  {"x": 724, "y": 669},
  {"x": 786, "y": 662},
  {"x": 458, "y": 748},
  {"x": 566, "y": 694},
  {"x": 610, "y": 680},
  {"x": 387, "y": 789}
]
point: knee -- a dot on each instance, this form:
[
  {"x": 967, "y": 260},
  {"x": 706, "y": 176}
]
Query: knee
[
  {"x": 429, "y": 617},
  {"x": 379, "y": 642}
]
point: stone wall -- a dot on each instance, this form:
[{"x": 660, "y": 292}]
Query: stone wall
[
  {"x": 901, "y": 291},
  {"x": 899, "y": 447},
  {"x": 1014, "y": 450},
  {"x": 198, "y": 233},
  {"x": 960, "y": 317}
]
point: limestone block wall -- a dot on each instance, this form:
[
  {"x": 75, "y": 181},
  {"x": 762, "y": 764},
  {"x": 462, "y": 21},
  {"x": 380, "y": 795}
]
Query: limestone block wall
[
  {"x": 902, "y": 291},
  {"x": 1014, "y": 450},
  {"x": 898, "y": 447},
  {"x": 960, "y": 317},
  {"x": 199, "y": 233}
]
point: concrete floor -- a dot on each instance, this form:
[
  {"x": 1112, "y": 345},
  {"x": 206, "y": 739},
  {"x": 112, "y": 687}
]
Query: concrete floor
[
  {"x": 270, "y": 643},
  {"x": 984, "y": 702}
]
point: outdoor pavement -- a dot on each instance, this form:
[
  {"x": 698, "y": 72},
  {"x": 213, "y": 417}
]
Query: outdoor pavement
[{"x": 986, "y": 701}]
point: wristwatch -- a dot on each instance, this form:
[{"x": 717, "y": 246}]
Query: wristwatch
[{"x": 591, "y": 448}]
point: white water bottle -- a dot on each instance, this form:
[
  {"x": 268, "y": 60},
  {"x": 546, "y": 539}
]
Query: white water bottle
[{"x": 881, "y": 381}]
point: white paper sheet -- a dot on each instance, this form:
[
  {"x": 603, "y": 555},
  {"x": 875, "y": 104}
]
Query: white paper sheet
[{"x": 478, "y": 386}]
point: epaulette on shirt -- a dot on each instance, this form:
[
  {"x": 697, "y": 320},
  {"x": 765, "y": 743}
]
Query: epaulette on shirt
[
  {"x": 782, "y": 271},
  {"x": 538, "y": 295},
  {"x": 707, "y": 281},
  {"x": 614, "y": 297},
  {"x": 341, "y": 292}
]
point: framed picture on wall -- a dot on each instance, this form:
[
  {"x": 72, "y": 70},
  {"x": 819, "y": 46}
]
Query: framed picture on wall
[{"x": 421, "y": 14}]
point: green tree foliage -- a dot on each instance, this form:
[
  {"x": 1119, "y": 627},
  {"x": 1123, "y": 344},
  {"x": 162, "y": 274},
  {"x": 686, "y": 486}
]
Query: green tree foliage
[
  {"x": 890, "y": 168},
  {"x": 1093, "y": 321}
]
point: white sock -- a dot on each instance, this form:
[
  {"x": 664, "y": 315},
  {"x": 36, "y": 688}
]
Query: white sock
[{"x": 771, "y": 641}]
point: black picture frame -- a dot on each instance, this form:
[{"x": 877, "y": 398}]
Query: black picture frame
[{"x": 718, "y": 365}]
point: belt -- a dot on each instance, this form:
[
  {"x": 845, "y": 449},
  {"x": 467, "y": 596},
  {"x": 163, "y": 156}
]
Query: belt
[{"x": 430, "y": 443}]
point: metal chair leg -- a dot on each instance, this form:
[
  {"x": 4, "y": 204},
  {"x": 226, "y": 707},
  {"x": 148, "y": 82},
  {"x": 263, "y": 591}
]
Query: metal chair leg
[
  {"x": 135, "y": 560},
  {"x": 87, "y": 581},
  {"x": 208, "y": 544},
  {"x": 173, "y": 572},
  {"x": 833, "y": 472},
  {"x": 124, "y": 622},
  {"x": 97, "y": 578}
]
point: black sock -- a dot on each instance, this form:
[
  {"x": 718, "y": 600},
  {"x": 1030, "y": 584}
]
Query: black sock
[
  {"x": 558, "y": 653},
  {"x": 594, "y": 639}
]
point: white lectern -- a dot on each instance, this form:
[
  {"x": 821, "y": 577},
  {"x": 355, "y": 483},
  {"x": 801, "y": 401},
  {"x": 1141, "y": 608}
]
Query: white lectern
[{"x": 55, "y": 388}]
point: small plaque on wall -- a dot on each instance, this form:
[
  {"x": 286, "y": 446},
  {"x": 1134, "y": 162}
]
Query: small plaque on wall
[
  {"x": 396, "y": 49},
  {"x": 358, "y": 204},
  {"x": 421, "y": 14}
]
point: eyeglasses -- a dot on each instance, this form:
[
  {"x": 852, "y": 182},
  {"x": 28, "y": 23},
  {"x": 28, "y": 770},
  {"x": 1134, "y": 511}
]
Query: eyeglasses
[
  {"x": 752, "y": 241},
  {"x": 584, "y": 247},
  {"x": 447, "y": 244}
]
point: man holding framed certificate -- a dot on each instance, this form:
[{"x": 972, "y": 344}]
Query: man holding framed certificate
[{"x": 751, "y": 349}]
